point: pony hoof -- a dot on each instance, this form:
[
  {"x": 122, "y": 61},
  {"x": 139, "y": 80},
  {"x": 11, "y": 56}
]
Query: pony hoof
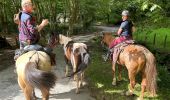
[
  {"x": 128, "y": 93},
  {"x": 152, "y": 95},
  {"x": 15, "y": 71},
  {"x": 65, "y": 75},
  {"x": 77, "y": 92},
  {"x": 139, "y": 98},
  {"x": 119, "y": 80},
  {"x": 35, "y": 98},
  {"x": 113, "y": 83},
  {"x": 81, "y": 85},
  {"x": 74, "y": 79}
]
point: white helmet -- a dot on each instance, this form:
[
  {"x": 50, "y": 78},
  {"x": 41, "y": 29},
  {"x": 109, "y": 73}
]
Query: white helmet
[{"x": 125, "y": 13}]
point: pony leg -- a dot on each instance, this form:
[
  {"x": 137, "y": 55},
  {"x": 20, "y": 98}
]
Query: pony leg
[
  {"x": 132, "y": 83},
  {"x": 66, "y": 70},
  {"x": 74, "y": 64},
  {"x": 81, "y": 81},
  {"x": 77, "y": 81},
  {"x": 114, "y": 74},
  {"x": 120, "y": 71},
  {"x": 45, "y": 94},
  {"x": 21, "y": 84},
  {"x": 143, "y": 86},
  {"x": 75, "y": 76},
  {"x": 33, "y": 95},
  {"x": 66, "y": 67},
  {"x": 28, "y": 92}
]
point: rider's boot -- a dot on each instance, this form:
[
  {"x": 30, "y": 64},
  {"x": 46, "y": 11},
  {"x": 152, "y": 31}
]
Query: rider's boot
[
  {"x": 52, "y": 57},
  {"x": 106, "y": 57}
]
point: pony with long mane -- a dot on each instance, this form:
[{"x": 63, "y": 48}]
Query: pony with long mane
[
  {"x": 137, "y": 59},
  {"x": 77, "y": 54},
  {"x": 34, "y": 71}
]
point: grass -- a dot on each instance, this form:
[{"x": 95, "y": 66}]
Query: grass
[
  {"x": 99, "y": 75},
  {"x": 147, "y": 37}
]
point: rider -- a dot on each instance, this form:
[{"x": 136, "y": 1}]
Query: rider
[
  {"x": 124, "y": 32},
  {"x": 28, "y": 31}
]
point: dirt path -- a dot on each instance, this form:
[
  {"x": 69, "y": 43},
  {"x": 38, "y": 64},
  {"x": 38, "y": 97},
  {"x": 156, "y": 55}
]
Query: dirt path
[
  {"x": 108, "y": 29},
  {"x": 64, "y": 89}
]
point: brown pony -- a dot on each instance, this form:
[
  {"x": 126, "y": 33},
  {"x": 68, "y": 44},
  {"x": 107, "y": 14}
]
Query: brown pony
[
  {"x": 77, "y": 54},
  {"x": 137, "y": 59},
  {"x": 34, "y": 71}
]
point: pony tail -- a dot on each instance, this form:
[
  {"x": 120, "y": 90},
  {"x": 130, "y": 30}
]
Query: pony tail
[
  {"x": 85, "y": 60},
  {"x": 151, "y": 72},
  {"x": 38, "y": 78}
]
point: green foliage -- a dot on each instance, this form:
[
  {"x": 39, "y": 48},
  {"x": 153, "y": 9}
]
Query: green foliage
[
  {"x": 147, "y": 36},
  {"x": 85, "y": 12}
]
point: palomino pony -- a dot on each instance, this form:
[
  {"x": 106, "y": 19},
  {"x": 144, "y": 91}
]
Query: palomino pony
[
  {"x": 77, "y": 54},
  {"x": 137, "y": 59},
  {"x": 34, "y": 71}
]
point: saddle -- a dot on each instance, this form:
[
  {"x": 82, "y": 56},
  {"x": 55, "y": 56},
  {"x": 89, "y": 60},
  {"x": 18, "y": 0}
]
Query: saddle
[
  {"x": 19, "y": 52},
  {"x": 115, "y": 52}
]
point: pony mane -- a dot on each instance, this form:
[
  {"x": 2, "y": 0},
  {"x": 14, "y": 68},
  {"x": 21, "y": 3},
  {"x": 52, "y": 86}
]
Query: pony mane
[
  {"x": 81, "y": 46},
  {"x": 63, "y": 39}
]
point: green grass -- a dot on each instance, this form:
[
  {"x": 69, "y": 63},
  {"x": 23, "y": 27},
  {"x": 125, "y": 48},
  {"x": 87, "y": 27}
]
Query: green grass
[
  {"x": 147, "y": 36},
  {"x": 99, "y": 75}
]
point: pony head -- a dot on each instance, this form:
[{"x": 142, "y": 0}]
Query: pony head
[
  {"x": 56, "y": 38},
  {"x": 106, "y": 37},
  {"x": 63, "y": 39},
  {"x": 53, "y": 39}
]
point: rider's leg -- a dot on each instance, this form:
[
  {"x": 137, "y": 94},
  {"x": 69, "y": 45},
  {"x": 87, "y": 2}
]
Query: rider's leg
[
  {"x": 52, "y": 55},
  {"x": 111, "y": 48},
  {"x": 106, "y": 57}
]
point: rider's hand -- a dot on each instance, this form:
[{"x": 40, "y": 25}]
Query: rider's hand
[
  {"x": 45, "y": 22},
  {"x": 29, "y": 42}
]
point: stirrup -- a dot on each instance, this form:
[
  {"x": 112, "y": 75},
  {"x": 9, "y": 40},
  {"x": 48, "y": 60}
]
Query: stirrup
[
  {"x": 104, "y": 57},
  {"x": 52, "y": 58}
]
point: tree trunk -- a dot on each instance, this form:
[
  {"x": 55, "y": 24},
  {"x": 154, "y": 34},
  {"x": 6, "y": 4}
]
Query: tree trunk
[
  {"x": 74, "y": 8},
  {"x": 108, "y": 18}
]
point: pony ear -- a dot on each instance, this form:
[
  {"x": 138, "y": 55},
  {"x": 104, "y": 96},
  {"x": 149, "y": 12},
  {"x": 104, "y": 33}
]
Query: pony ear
[
  {"x": 101, "y": 33},
  {"x": 54, "y": 33}
]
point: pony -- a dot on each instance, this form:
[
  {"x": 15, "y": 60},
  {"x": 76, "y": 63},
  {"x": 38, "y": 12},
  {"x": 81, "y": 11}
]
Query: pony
[
  {"x": 135, "y": 58},
  {"x": 77, "y": 54},
  {"x": 34, "y": 71}
]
